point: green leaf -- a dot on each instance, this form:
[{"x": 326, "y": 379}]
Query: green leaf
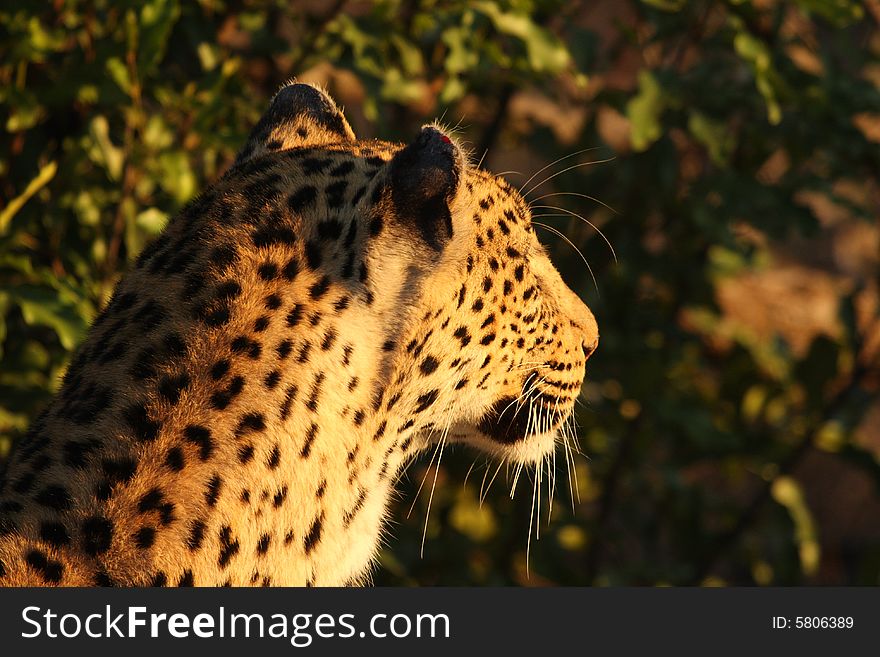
[
  {"x": 157, "y": 19},
  {"x": 152, "y": 221},
  {"x": 839, "y": 12},
  {"x": 103, "y": 151},
  {"x": 644, "y": 111},
  {"x": 756, "y": 53},
  {"x": 546, "y": 53},
  {"x": 119, "y": 74},
  {"x": 42, "y": 306},
  {"x": 714, "y": 135},
  {"x": 47, "y": 172},
  {"x": 787, "y": 492}
]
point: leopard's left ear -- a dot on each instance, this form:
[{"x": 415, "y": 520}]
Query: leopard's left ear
[
  {"x": 424, "y": 181},
  {"x": 299, "y": 115}
]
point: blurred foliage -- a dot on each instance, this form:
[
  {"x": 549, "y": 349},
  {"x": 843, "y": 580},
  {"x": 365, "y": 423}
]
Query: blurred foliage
[{"x": 723, "y": 120}]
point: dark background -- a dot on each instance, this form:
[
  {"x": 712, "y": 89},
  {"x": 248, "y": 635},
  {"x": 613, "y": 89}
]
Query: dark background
[{"x": 730, "y": 424}]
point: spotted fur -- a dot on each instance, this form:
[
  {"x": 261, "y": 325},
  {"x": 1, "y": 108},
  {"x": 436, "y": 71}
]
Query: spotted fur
[{"x": 243, "y": 405}]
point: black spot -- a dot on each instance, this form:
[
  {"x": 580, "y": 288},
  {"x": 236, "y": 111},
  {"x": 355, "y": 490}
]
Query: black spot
[
  {"x": 159, "y": 579},
  {"x": 193, "y": 284},
  {"x": 228, "y": 546},
  {"x": 201, "y": 437},
  {"x": 263, "y": 544},
  {"x": 149, "y": 316},
  {"x": 342, "y": 168},
  {"x": 329, "y": 339},
  {"x": 426, "y": 400},
  {"x": 376, "y": 225},
  {"x": 245, "y": 345},
  {"x": 330, "y": 229},
  {"x": 311, "y": 434},
  {"x": 268, "y": 235},
  {"x": 220, "y": 400},
  {"x": 350, "y": 235},
  {"x": 215, "y": 316},
  {"x": 279, "y": 498},
  {"x": 429, "y": 365},
  {"x": 477, "y": 306},
  {"x": 342, "y": 303},
  {"x": 143, "y": 428},
  {"x": 223, "y": 255},
  {"x": 52, "y": 571},
  {"x": 77, "y": 451},
  {"x": 97, "y": 534},
  {"x": 291, "y": 269},
  {"x": 319, "y": 289},
  {"x": 250, "y": 423},
  {"x": 303, "y": 356},
  {"x": 186, "y": 579},
  {"x": 289, "y": 396},
  {"x": 145, "y": 537},
  {"x": 314, "y": 535},
  {"x": 103, "y": 579},
  {"x": 144, "y": 365},
  {"x": 196, "y": 535},
  {"x": 227, "y": 290},
  {"x": 358, "y": 505},
  {"x": 487, "y": 284},
  {"x": 358, "y": 418},
  {"x": 54, "y": 533},
  {"x": 213, "y": 491},
  {"x": 119, "y": 471},
  {"x": 274, "y": 459},
  {"x": 154, "y": 500},
  {"x": 24, "y": 483},
  {"x": 245, "y": 454},
  {"x": 174, "y": 459},
  {"x": 273, "y": 302},
  {"x": 508, "y": 288},
  {"x": 313, "y": 254},
  {"x": 519, "y": 272},
  {"x": 174, "y": 345},
  {"x": 54, "y": 497},
  {"x": 295, "y": 315},
  {"x": 268, "y": 271},
  {"x": 284, "y": 348},
  {"x": 219, "y": 369},
  {"x": 312, "y": 403},
  {"x": 462, "y": 334},
  {"x": 313, "y": 165},
  {"x": 272, "y": 379},
  {"x": 170, "y": 387},
  {"x": 487, "y": 339},
  {"x": 302, "y": 198}
]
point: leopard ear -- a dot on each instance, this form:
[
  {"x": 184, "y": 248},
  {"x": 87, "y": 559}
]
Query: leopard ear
[
  {"x": 424, "y": 181},
  {"x": 299, "y": 115}
]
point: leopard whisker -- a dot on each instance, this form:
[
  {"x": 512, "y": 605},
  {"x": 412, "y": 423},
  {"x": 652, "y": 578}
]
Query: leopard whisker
[
  {"x": 562, "y": 235},
  {"x": 586, "y": 196},
  {"x": 559, "y": 173},
  {"x": 554, "y": 163},
  {"x": 582, "y": 218}
]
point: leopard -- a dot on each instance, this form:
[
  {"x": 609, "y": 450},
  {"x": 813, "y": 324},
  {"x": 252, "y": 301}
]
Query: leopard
[{"x": 241, "y": 410}]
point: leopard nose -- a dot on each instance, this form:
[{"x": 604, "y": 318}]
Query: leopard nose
[{"x": 590, "y": 347}]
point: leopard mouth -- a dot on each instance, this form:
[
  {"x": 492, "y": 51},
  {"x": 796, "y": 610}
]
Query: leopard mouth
[{"x": 512, "y": 420}]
